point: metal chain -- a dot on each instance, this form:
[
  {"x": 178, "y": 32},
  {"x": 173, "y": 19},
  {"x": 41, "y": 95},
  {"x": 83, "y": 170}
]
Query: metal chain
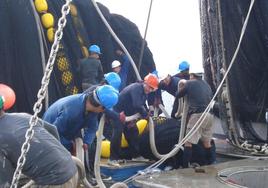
[{"x": 41, "y": 93}]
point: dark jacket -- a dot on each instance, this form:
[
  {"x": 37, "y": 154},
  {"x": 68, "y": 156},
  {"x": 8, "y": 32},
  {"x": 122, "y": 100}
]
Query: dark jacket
[
  {"x": 132, "y": 100},
  {"x": 47, "y": 161},
  {"x": 91, "y": 71}
]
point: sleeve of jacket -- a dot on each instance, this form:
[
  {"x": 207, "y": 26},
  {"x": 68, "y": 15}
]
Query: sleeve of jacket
[
  {"x": 90, "y": 131},
  {"x": 126, "y": 64},
  {"x": 111, "y": 114}
]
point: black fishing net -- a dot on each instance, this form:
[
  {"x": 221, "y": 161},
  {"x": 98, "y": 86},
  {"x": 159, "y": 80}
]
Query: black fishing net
[
  {"x": 221, "y": 27},
  {"x": 20, "y": 48}
]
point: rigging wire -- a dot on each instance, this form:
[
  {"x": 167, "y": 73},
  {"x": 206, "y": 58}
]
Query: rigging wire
[{"x": 144, "y": 37}]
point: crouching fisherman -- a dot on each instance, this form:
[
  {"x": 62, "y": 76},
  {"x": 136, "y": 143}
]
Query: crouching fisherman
[
  {"x": 199, "y": 94},
  {"x": 131, "y": 101},
  {"x": 72, "y": 113},
  {"x": 48, "y": 163}
]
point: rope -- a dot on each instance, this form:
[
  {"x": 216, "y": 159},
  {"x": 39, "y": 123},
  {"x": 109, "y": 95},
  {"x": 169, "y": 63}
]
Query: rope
[
  {"x": 117, "y": 39},
  {"x": 152, "y": 139},
  {"x": 97, "y": 158},
  {"x": 145, "y": 33},
  {"x": 183, "y": 118},
  {"x": 41, "y": 94},
  {"x": 205, "y": 113}
]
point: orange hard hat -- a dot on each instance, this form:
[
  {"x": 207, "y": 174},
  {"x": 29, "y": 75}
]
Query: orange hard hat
[
  {"x": 9, "y": 96},
  {"x": 151, "y": 80}
]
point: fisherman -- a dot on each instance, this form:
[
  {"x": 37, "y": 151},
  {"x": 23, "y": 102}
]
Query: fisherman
[
  {"x": 199, "y": 94},
  {"x": 121, "y": 69},
  {"x": 131, "y": 101},
  {"x": 171, "y": 84},
  {"x": 48, "y": 163},
  {"x": 72, "y": 113},
  {"x": 90, "y": 69}
]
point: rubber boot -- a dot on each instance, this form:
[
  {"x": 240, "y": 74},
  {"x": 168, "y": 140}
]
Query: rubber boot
[
  {"x": 210, "y": 155},
  {"x": 187, "y": 157}
]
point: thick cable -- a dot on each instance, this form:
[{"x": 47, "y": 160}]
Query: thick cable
[{"x": 204, "y": 114}]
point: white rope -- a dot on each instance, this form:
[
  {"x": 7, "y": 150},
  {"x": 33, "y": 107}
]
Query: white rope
[
  {"x": 41, "y": 93},
  {"x": 204, "y": 114}
]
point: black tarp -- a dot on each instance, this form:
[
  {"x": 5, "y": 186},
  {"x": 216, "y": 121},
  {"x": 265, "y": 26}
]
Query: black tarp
[
  {"x": 221, "y": 23},
  {"x": 20, "y": 55}
]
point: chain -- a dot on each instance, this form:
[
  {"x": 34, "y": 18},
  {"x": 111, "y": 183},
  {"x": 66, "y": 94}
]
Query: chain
[{"x": 41, "y": 93}]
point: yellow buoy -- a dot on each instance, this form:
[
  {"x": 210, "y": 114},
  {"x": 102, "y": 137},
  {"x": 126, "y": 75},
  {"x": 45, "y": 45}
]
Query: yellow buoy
[
  {"x": 50, "y": 34},
  {"x": 124, "y": 142},
  {"x": 105, "y": 148},
  {"x": 41, "y": 5},
  {"x": 141, "y": 125},
  {"x": 47, "y": 20}
]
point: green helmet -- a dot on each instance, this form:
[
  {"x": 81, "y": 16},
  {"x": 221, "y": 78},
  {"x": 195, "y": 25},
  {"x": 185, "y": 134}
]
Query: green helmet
[{"x": 1, "y": 102}]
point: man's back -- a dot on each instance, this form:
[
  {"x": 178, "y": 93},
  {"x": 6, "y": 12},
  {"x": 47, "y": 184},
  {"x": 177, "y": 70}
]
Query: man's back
[
  {"x": 199, "y": 95},
  {"x": 91, "y": 71},
  {"x": 47, "y": 162}
]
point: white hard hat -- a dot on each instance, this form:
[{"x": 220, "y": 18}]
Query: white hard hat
[
  {"x": 196, "y": 71},
  {"x": 115, "y": 64}
]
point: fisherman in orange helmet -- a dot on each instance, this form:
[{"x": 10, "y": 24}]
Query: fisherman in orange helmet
[{"x": 131, "y": 101}]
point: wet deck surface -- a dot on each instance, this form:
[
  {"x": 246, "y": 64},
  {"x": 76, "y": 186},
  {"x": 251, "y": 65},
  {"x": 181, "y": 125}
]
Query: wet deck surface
[{"x": 204, "y": 177}]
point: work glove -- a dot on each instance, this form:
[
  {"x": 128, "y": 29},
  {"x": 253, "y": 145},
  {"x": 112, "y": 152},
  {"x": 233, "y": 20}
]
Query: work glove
[
  {"x": 85, "y": 147},
  {"x": 122, "y": 117}
]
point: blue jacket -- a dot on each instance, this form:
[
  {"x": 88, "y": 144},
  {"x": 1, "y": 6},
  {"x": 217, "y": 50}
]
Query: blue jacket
[
  {"x": 68, "y": 114},
  {"x": 124, "y": 71}
]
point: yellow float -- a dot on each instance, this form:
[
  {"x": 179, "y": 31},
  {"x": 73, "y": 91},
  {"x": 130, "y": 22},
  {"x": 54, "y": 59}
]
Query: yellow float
[
  {"x": 41, "y": 6},
  {"x": 50, "y": 34},
  {"x": 47, "y": 20}
]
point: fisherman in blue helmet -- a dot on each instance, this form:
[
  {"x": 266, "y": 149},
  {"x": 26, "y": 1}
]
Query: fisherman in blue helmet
[
  {"x": 72, "y": 113},
  {"x": 171, "y": 84},
  {"x": 90, "y": 69}
]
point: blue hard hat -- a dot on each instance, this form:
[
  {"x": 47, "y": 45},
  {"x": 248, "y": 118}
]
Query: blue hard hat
[
  {"x": 94, "y": 48},
  {"x": 107, "y": 96},
  {"x": 113, "y": 79},
  {"x": 184, "y": 65}
]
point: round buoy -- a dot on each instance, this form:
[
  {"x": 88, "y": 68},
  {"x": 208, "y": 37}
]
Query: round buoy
[
  {"x": 141, "y": 125},
  {"x": 9, "y": 96},
  {"x": 41, "y": 5},
  {"x": 47, "y": 20}
]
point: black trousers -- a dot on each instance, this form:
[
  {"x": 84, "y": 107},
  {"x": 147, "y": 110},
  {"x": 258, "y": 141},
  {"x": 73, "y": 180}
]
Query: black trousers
[{"x": 131, "y": 133}]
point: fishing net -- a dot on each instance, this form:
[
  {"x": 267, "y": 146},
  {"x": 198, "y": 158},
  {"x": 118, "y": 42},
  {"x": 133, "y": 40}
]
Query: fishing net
[
  {"x": 221, "y": 23},
  {"x": 20, "y": 48}
]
